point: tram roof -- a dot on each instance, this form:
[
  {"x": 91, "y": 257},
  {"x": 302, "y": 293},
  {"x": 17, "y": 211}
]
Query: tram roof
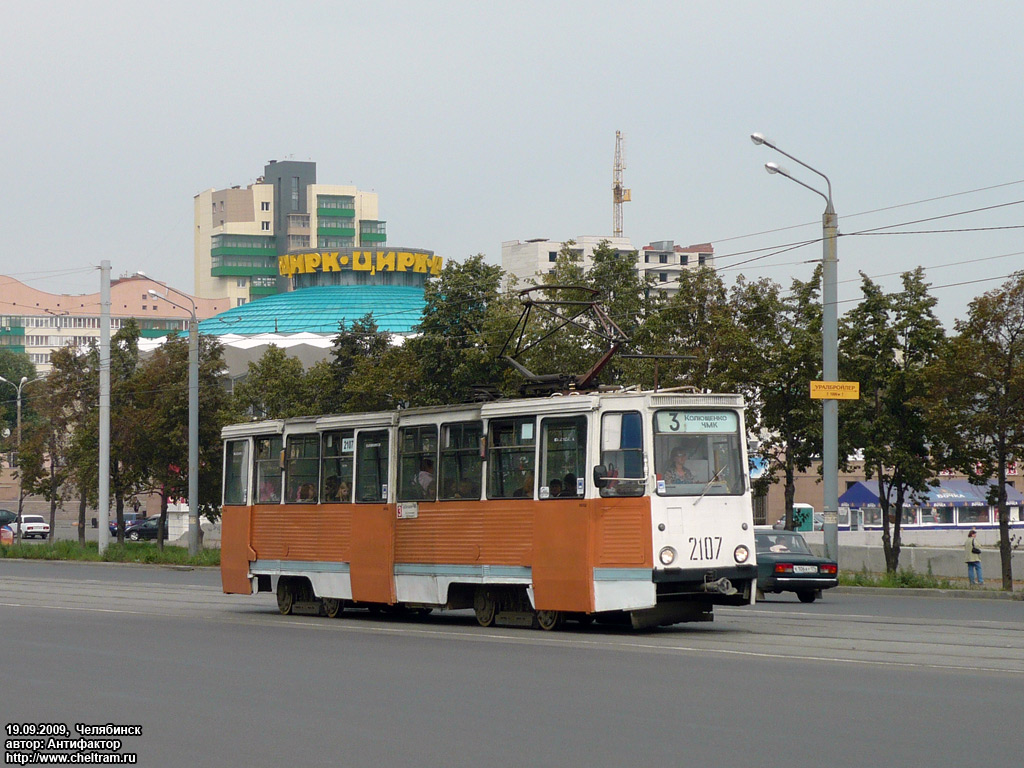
[{"x": 561, "y": 403}]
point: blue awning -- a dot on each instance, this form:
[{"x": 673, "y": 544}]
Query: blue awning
[
  {"x": 859, "y": 495},
  {"x": 948, "y": 493}
]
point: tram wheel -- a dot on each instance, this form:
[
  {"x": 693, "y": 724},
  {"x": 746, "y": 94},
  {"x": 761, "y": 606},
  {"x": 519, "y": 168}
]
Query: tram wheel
[
  {"x": 549, "y": 620},
  {"x": 285, "y": 596},
  {"x": 485, "y": 606},
  {"x": 332, "y": 607}
]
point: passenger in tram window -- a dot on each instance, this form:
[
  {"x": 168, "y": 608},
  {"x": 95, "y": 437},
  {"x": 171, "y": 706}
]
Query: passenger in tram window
[
  {"x": 425, "y": 478},
  {"x": 678, "y": 472},
  {"x": 307, "y": 492},
  {"x": 268, "y": 492},
  {"x": 526, "y": 489},
  {"x": 555, "y": 488},
  {"x": 569, "y": 485},
  {"x": 332, "y": 489},
  {"x": 344, "y": 492}
]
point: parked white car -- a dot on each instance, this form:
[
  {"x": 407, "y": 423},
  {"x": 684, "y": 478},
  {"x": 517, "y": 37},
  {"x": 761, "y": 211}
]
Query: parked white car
[{"x": 34, "y": 525}]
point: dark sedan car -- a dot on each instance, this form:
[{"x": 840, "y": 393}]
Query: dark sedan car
[
  {"x": 144, "y": 529},
  {"x": 129, "y": 519},
  {"x": 7, "y": 517},
  {"x": 786, "y": 564}
]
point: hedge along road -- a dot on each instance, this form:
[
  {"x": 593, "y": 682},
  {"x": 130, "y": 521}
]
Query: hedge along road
[{"x": 218, "y": 679}]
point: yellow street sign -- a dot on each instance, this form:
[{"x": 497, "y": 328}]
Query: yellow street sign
[{"x": 835, "y": 390}]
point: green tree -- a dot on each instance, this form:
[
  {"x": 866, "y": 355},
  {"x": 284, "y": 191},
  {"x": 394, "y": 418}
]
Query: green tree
[
  {"x": 14, "y": 366},
  {"x": 75, "y": 376},
  {"x": 888, "y": 341},
  {"x": 452, "y": 351},
  {"x": 273, "y": 387},
  {"x": 355, "y": 347},
  {"x": 128, "y": 472},
  {"x": 162, "y": 384},
  {"x": 976, "y": 398},
  {"x": 697, "y": 321},
  {"x": 47, "y": 441},
  {"x": 777, "y": 355}
]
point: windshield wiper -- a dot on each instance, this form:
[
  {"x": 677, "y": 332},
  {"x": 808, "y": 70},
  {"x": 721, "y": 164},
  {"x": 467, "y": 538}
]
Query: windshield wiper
[{"x": 708, "y": 485}]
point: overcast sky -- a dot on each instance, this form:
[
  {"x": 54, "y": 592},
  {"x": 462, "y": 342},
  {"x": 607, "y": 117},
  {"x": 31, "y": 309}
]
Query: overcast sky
[{"x": 483, "y": 122}]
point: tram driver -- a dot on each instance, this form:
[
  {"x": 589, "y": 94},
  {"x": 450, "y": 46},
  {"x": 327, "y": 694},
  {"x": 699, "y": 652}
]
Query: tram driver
[{"x": 678, "y": 472}]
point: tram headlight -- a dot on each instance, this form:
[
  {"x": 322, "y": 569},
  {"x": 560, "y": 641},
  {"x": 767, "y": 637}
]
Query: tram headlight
[
  {"x": 741, "y": 553},
  {"x": 667, "y": 556}
]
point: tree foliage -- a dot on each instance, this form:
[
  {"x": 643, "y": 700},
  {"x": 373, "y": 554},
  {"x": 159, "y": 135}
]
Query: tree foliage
[
  {"x": 888, "y": 341},
  {"x": 162, "y": 388},
  {"x": 777, "y": 351},
  {"x": 272, "y": 388},
  {"x": 976, "y": 397},
  {"x": 14, "y": 366},
  {"x": 697, "y": 321}
]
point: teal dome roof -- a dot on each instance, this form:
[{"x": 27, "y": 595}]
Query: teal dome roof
[{"x": 320, "y": 309}]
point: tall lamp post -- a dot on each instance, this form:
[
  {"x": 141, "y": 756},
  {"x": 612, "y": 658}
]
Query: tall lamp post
[
  {"x": 829, "y": 346},
  {"x": 193, "y": 417},
  {"x": 17, "y": 523}
]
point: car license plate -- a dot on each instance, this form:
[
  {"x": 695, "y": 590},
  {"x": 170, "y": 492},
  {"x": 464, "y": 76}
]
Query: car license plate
[{"x": 805, "y": 569}]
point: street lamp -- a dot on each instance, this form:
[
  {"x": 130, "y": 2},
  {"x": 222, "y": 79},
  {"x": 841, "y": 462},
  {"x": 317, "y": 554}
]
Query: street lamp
[
  {"x": 829, "y": 346},
  {"x": 24, "y": 380},
  {"x": 193, "y": 417}
]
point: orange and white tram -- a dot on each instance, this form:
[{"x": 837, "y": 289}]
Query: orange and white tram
[{"x": 624, "y": 506}]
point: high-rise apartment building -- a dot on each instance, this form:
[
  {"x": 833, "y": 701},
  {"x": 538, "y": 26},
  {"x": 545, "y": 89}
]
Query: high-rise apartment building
[
  {"x": 662, "y": 261},
  {"x": 240, "y": 233},
  {"x": 529, "y": 260}
]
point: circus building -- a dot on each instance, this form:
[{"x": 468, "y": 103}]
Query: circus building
[{"x": 296, "y": 258}]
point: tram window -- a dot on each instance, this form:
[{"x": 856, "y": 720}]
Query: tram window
[
  {"x": 372, "y": 466},
  {"x": 622, "y": 454},
  {"x": 510, "y": 459},
  {"x": 697, "y": 452},
  {"x": 236, "y": 472},
  {"x": 461, "y": 465},
  {"x": 563, "y": 456},
  {"x": 337, "y": 452},
  {"x": 417, "y": 463},
  {"x": 268, "y": 469},
  {"x": 301, "y": 463}
]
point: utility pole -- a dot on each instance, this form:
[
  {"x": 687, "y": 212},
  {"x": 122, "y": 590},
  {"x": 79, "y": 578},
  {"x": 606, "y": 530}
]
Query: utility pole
[{"x": 103, "y": 513}]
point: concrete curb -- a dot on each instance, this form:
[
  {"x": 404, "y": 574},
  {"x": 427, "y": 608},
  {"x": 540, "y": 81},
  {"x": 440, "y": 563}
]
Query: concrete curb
[{"x": 978, "y": 594}]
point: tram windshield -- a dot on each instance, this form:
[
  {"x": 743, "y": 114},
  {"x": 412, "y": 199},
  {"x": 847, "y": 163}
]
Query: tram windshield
[{"x": 697, "y": 452}]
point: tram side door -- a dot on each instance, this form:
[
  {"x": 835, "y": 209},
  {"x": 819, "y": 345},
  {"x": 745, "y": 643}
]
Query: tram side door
[
  {"x": 372, "y": 559},
  {"x": 562, "y": 564}
]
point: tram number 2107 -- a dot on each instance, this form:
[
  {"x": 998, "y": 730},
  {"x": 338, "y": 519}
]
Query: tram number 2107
[{"x": 707, "y": 548}]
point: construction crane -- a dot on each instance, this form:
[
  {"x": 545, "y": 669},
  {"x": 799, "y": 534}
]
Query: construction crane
[{"x": 620, "y": 194}]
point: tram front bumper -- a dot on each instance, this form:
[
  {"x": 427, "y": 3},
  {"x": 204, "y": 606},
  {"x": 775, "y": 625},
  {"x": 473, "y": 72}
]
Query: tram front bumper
[{"x": 729, "y": 585}]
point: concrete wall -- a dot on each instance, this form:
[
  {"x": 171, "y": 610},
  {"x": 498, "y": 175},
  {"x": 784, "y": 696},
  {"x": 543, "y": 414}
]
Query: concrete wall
[{"x": 944, "y": 554}]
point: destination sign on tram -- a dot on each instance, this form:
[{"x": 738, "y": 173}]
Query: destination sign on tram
[{"x": 696, "y": 422}]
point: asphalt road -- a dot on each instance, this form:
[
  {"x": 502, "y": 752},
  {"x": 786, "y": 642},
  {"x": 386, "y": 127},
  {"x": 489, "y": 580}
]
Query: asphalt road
[{"x": 860, "y": 679}]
